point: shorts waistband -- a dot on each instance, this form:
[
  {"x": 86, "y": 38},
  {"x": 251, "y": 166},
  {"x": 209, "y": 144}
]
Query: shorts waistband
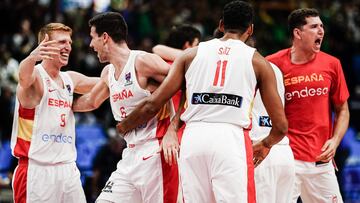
[
  {"x": 26, "y": 160},
  {"x": 202, "y": 124},
  {"x": 284, "y": 141}
]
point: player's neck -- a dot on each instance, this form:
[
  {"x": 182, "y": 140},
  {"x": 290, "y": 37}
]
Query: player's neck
[
  {"x": 301, "y": 56},
  {"x": 119, "y": 56},
  {"x": 235, "y": 36},
  {"x": 51, "y": 69}
]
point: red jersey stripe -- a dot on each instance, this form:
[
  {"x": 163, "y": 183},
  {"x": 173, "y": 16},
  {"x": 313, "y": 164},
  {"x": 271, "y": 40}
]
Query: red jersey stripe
[
  {"x": 21, "y": 148},
  {"x": 250, "y": 171},
  {"x": 25, "y": 113}
]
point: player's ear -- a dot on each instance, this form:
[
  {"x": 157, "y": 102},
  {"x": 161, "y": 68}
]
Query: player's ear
[
  {"x": 296, "y": 33},
  {"x": 186, "y": 45},
  {"x": 250, "y": 30},
  {"x": 221, "y": 25},
  {"x": 105, "y": 37}
]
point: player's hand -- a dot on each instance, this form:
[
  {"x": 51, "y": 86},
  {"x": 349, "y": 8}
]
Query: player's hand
[
  {"x": 45, "y": 50},
  {"x": 260, "y": 151},
  {"x": 170, "y": 146},
  {"x": 328, "y": 151}
]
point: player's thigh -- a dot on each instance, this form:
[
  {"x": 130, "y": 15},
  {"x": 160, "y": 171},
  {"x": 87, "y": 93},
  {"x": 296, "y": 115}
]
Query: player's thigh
[
  {"x": 321, "y": 187},
  {"x": 217, "y": 155},
  {"x": 285, "y": 174},
  {"x": 120, "y": 186},
  {"x": 73, "y": 191},
  {"x": 193, "y": 164}
]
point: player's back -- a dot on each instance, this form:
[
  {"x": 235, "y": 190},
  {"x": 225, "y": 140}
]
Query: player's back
[{"x": 221, "y": 83}]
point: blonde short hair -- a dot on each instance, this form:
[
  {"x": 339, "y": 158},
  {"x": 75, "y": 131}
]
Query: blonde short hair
[{"x": 52, "y": 27}]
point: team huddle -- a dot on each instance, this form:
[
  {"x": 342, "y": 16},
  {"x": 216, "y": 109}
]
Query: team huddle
[{"x": 204, "y": 122}]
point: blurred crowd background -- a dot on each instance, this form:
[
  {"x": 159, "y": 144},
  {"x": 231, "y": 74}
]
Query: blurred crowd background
[{"x": 149, "y": 23}]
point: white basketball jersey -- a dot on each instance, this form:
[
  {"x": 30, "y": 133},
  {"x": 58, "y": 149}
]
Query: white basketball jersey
[
  {"x": 221, "y": 83},
  {"x": 261, "y": 124},
  {"x": 125, "y": 95},
  {"x": 46, "y": 133}
]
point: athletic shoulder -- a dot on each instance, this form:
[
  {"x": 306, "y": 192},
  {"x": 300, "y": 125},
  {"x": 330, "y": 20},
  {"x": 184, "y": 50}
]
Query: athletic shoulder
[
  {"x": 280, "y": 55},
  {"x": 105, "y": 71},
  {"x": 279, "y": 58},
  {"x": 328, "y": 57},
  {"x": 146, "y": 59}
]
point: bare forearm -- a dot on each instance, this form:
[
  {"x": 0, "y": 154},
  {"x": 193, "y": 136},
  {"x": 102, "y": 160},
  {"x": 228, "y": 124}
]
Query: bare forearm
[
  {"x": 341, "y": 123},
  {"x": 26, "y": 71},
  {"x": 176, "y": 122},
  {"x": 86, "y": 86},
  {"x": 83, "y": 84},
  {"x": 277, "y": 133},
  {"x": 143, "y": 113},
  {"x": 84, "y": 104}
]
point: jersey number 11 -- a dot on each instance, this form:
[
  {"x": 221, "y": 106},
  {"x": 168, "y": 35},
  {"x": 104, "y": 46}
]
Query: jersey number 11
[{"x": 220, "y": 65}]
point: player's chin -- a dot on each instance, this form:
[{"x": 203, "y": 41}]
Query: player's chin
[
  {"x": 64, "y": 63},
  {"x": 317, "y": 48},
  {"x": 102, "y": 59}
]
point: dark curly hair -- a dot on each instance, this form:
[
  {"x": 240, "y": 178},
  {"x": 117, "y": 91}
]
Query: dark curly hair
[
  {"x": 179, "y": 35},
  {"x": 237, "y": 16},
  {"x": 112, "y": 23},
  {"x": 297, "y": 18}
]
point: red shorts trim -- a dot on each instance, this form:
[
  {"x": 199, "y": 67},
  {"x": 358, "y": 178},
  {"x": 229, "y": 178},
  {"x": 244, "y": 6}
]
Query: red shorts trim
[{"x": 20, "y": 181}]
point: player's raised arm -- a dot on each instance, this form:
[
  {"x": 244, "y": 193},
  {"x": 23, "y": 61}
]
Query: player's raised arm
[{"x": 43, "y": 51}]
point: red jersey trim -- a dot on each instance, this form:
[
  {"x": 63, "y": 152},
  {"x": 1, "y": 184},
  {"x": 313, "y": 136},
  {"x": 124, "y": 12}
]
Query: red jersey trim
[
  {"x": 25, "y": 113},
  {"x": 170, "y": 180},
  {"x": 250, "y": 170},
  {"x": 21, "y": 148}
]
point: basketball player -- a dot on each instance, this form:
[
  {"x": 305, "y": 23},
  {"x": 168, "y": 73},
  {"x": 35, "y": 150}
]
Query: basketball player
[
  {"x": 216, "y": 158},
  {"x": 180, "y": 38},
  {"x": 43, "y": 136},
  {"x": 276, "y": 173},
  {"x": 131, "y": 76},
  {"x": 314, "y": 85}
]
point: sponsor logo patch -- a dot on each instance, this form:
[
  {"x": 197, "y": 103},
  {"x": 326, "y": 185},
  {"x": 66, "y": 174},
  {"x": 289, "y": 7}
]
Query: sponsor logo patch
[
  {"x": 108, "y": 187},
  {"x": 216, "y": 99},
  {"x": 68, "y": 87},
  {"x": 128, "y": 80},
  {"x": 265, "y": 121},
  {"x": 60, "y": 138},
  {"x": 306, "y": 92}
]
